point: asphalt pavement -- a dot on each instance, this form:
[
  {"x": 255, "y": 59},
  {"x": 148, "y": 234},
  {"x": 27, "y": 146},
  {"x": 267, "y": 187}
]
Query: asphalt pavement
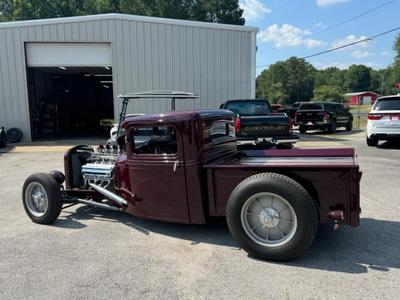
[{"x": 94, "y": 254}]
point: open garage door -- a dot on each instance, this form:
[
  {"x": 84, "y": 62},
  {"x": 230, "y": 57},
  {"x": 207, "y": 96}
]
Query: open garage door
[
  {"x": 68, "y": 54},
  {"x": 70, "y": 89}
]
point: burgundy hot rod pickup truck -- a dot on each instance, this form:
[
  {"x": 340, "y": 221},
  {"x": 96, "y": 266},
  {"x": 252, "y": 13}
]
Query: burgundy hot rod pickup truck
[{"x": 188, "y": 169}]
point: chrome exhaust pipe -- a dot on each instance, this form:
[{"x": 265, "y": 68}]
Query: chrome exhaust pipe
[
  {"x": 110, "y": 195},
  {"x": 97, "y": 204}
]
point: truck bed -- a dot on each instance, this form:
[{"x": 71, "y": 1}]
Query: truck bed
[
  {"x": 294, "y": 158},
  {"x": 331, "y": 177}
]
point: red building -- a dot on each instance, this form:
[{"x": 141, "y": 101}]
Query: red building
[{"x": 361, "y": 98}]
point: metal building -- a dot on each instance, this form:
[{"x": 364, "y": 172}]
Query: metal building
[{"x": 61, "y": 76}]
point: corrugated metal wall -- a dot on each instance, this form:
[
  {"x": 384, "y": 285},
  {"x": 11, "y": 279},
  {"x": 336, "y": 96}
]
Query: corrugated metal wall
[{"x": 217, "y": 63}]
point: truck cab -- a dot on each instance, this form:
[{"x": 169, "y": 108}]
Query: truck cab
[{"x": 166, "y": 173}]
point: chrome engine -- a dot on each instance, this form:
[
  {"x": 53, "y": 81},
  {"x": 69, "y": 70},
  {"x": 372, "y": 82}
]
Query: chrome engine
[{"x": 99, "y": 168}]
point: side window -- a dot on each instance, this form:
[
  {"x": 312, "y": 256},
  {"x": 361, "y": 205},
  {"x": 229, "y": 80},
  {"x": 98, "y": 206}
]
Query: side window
[{"x": 154, "y": 140}]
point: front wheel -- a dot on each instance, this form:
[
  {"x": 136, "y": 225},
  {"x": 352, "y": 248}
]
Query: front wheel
[
  {"x": 41, "y": 197},
  {"x": 332, "y": 127},
  {"x": 302, "y": 129},
  {"x": 349, "y": 126},
  {"x": 272, "y": 217}
]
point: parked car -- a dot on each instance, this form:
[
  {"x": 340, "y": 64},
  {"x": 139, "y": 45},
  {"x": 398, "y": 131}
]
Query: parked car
[
  {"x": 278, "y": 108},
  {"x": 273, "y": 200},
  {"x": 254, "y": 121},
  {"x": 384, "y": 120},
  {"x": 323, "y": 115}
]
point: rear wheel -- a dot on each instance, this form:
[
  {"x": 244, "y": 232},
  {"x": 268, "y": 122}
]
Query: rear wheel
[
  {"x": 272, "y": 217},
  {"x": 332, "y": 127},
  {"x": 302, "y": 129},
  {"x": 372, "y": 142},
  {"x": 42, "y": 198}
]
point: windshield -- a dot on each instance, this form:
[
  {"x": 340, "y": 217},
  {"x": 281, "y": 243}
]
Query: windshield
[
  {"x": 388, "y": 104},
  {"x": 248, "y": 108},
  {"x": 311, "y": 106}
]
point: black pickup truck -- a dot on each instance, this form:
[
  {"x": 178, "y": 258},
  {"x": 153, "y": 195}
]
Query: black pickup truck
[
  {"x": 254, "y": 121},
  {"x": 323, "y": 115}
]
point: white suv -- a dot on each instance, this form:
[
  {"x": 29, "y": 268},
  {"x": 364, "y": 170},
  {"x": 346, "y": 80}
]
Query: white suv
[{"x": 384, "y": 120}]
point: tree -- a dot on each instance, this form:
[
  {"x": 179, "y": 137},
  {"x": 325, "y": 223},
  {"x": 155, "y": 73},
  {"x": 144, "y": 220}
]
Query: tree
[
  {"x": 287, "y": 82},
  {"x": 218, "y": 11},
  {"x": 358, "y": 78},
  {"x": 396, "y": 48},
  {"x": 328, "y": 93},
  {"x": 394, "y": 75},
  {"x": 332, "y": 76}
]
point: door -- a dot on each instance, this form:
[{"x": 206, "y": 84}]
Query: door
[
  {"x": 342, "y": 116},
  {"x": 367, "y": 100},
  {"x": 157, "y": 175},
  {"x": 68, "y": 55}
]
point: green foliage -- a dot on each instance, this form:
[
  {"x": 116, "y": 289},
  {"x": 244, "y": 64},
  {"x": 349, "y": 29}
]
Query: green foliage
[
  {"x": 357, "y": 78},
  {"x": 331, "y": 76},
  {"x": 396, "y": 48},
  {"x": 218, "y": 11},
  {"x": 287, "y": 82},
  {"x": 328, "y": 93},
  {"x": 395, "y": 68}
]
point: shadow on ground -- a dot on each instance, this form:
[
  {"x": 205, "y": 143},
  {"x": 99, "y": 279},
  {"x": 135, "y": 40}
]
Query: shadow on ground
[
  {"x": 324, "y": 136},
  {"x": 372, "y": 246},
  {"x": 215, "y": 232},
  {"x": 392, "y": 145},
  {"x": 7, "y": 149},
  {"x": 66, "y": 142}
]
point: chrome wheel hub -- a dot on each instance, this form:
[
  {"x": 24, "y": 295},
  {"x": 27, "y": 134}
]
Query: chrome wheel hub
[
  {"x": 36, "y": 199},
  {"x": 268, "y": 219}
]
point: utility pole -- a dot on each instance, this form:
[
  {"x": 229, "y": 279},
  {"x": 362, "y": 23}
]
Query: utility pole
[{"x": 358, "y": 111}]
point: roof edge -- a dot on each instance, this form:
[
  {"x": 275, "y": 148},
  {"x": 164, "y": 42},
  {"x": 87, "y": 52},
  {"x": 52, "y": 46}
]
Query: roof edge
[
  {"x": 360, "y": 93},
  {"x": 128, "y": 18}
]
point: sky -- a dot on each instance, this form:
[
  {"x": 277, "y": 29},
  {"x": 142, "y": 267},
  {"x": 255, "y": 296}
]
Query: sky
[{"x": 293, "y": 28}]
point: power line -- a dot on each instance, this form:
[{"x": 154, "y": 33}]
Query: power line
[
  {"x": 344, "y": 46},
  {"x": 341, "y": 23},
  {"x": 353, "y": 43},
  {"x": 353, "y": 18}
]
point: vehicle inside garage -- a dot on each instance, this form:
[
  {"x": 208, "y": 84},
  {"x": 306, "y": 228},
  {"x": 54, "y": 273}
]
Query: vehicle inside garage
[{"x": 68, "y": 102}]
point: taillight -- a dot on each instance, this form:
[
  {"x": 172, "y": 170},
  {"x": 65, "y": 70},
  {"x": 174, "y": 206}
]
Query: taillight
[
  {"x": 375, "y": 116},
  {"x": 296, "y": 114},
  {"x": 237, "y": 125},
  {"x": 325, "y": 114},
  {"x": 290, "y": 123}
]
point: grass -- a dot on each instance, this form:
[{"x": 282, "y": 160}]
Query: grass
[{"x": 361, "y": 121}]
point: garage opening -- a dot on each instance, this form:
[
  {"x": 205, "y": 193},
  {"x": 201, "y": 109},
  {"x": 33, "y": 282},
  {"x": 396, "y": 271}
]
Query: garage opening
[
  {"x": 70, "y": 89},
  {"x": 68, "y": 102}
]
